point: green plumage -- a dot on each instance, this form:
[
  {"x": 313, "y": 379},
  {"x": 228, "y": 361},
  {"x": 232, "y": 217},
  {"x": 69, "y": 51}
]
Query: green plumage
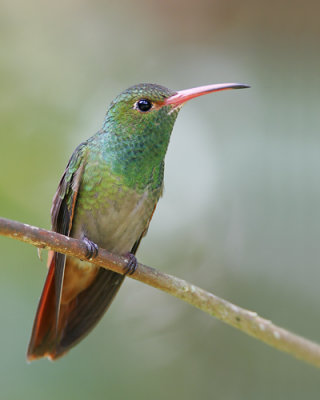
[{"x": 134, "y": 143}]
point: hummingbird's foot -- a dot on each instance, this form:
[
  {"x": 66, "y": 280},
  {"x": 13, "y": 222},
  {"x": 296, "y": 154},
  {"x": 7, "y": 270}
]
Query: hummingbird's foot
[
  {"x": 92, "y": 248},
  {"x": 132, "y": 264}
]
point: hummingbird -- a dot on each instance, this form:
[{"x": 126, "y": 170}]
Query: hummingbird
[{"x": 106, "y": 197}]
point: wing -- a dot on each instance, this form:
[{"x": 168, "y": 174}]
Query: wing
[
  {"x": 62, "y": 212},
  {"x": 46, "y": 321}
]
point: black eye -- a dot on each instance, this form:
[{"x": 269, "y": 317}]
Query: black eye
[{"x": 144, "y": 105}]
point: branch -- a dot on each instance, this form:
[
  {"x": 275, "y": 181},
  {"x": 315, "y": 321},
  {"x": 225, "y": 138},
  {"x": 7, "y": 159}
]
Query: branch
[{"x": 246, "y": 321}]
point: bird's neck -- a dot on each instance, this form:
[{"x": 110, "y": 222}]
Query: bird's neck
[{"x": 140, "y": 162}]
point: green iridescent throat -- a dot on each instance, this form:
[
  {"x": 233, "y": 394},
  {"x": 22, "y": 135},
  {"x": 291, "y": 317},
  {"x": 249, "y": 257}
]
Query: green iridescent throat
[{"x": 134, "y": 144}]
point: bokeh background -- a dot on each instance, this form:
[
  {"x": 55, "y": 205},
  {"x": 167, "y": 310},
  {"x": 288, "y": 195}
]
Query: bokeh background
[{"x": 240, "y": 214}]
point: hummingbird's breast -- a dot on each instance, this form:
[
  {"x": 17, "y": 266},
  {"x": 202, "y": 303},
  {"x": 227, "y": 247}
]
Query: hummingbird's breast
[{"x": 109, "y": 213}]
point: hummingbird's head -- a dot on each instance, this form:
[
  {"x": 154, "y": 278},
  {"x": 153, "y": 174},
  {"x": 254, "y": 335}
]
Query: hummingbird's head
[
  {"x": 141, "y": 110},
  {"x": 139, "y": 122}
]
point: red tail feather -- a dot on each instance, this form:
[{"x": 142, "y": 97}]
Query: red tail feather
[{"x": 43, "y": 332}]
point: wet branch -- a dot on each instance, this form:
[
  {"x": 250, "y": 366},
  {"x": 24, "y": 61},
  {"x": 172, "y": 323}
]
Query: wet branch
[{"x": 240, "y": 318}]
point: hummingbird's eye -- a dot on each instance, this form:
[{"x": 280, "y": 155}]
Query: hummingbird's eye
[{"x": 144, "y": 105}]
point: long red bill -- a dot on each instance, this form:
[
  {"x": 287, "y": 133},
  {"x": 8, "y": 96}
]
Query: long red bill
[{"x": 184, "y": 95}]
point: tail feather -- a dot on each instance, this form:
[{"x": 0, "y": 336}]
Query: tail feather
[
  {"x": 76, "y": 318},
  {"x": 90, "y": 306},
  {"x": 43, "y": 332}
]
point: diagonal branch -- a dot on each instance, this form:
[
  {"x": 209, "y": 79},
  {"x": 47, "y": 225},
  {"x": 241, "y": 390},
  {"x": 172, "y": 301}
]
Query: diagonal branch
[{"x": 246, "y": 321}]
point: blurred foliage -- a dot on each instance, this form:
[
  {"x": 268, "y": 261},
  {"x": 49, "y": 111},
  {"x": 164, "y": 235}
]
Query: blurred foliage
[{"x": 240, "y": 214}]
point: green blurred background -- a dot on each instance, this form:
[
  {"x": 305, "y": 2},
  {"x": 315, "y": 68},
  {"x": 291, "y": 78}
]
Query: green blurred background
[{"x": 240, "y": 214}]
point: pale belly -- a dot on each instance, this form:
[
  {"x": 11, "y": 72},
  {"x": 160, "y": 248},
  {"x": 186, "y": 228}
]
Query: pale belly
[{"x": 114, "y": 223}]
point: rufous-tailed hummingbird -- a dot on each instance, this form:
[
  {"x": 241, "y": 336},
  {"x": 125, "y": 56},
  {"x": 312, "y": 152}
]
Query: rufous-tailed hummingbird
[{"x": 106, "y": 197}]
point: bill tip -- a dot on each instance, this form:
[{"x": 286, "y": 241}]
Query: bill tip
[{"x": 243, "y": 86}]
